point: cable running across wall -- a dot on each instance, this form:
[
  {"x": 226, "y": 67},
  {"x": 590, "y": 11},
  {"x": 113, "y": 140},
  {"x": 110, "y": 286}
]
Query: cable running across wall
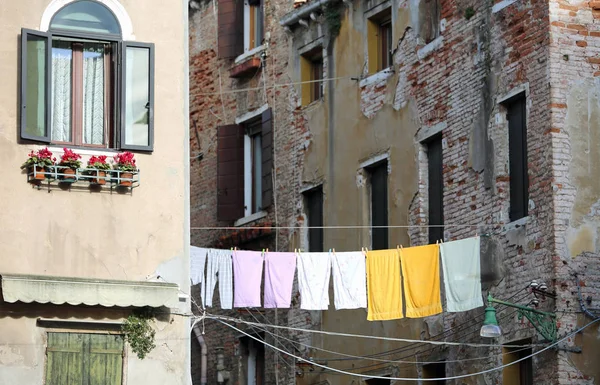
[
  {"x": 239, "y": 320},
  {"x": 412, "y": 378},
  {"x": 355, "y": 358}
]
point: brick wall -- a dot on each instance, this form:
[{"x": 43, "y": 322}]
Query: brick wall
[{"x": 549, "y": 50}]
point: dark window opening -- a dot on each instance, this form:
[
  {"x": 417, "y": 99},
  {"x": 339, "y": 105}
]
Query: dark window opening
[
  {"x": 517, "y": 153},
  {"x": 253, "y": 361},
  {"x": 520, "y": 373},
  {"x": 436, "y": 370},
  {"x": 314, "y": 210},
  {"x": 435, "y": 188},
  {"x": 379, "y": 205},
  {"x": 377, "y": 381}
]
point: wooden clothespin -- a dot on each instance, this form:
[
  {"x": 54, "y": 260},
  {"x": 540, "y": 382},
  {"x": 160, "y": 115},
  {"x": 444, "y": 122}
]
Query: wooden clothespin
[
  {"x": 334, "y": 251},
  {"x": 437, "y": 241}
]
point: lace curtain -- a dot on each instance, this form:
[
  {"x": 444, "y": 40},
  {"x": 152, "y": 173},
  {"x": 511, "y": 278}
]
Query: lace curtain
[
  {"x": 93, "y": 94},
  {"x": 61, "y": 95}
]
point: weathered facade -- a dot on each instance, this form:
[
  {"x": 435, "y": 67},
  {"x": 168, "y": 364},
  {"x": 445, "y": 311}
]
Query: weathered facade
[
  {"x": 483, "y": 115},
  {"x": 77, "y": 259}
]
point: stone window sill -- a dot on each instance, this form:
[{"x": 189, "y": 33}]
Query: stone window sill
[
  {"x": 517, "y": 223},
  {"x": 382, "y": 75},
  {"x": 250, "y": 218},
  {"x": 248, "y": 54},
  {"x": 427, "y": 50}
]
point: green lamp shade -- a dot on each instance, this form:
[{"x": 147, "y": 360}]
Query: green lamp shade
[{"x": 490, "y": 328}]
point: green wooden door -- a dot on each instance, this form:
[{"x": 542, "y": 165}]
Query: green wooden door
[{"x": 84, "y": 359}]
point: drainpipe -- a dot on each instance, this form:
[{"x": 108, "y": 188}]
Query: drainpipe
[{"x": 203, "y": 363}]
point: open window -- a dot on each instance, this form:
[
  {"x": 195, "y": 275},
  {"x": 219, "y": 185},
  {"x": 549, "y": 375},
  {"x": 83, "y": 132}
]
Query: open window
[
  {"x": 81, "y": 85},
  {"x": 244, "y": 167},
  {"x": 311, "y": 66},
  {"x": 241, "y": 26},
  {"x": 379, "y": 40}
]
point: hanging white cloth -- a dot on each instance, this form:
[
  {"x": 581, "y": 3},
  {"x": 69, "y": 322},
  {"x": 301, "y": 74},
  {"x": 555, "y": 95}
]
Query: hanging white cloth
[
  {"x": 314, "y": 272},
  {"x": 349, "y": 280},
  {"x": 219, "y": 267},
  {"x": 462, "y": 274},
  {"x": 197, "y": 263}
]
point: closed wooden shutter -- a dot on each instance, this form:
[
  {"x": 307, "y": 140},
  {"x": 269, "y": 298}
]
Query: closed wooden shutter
[
  {"x": 379, "y": 206},
  {"x": 84, "y": 359},
  {"x": 517, "y": 152},
  {"x": 435, "y": 189},
  {"x": 231, "y": 28},
  {"x": 267, "y": 158},
  {"x": 230, "y": 172}
]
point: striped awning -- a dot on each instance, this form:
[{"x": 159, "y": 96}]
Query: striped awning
[{"x": 82, "y": 291}]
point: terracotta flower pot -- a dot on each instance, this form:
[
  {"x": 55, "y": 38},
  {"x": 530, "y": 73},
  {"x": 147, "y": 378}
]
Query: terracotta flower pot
[
  {"x": 39, "y": 173},
  {"x": 100, "y": 178},
  {"x": 67, "y": 178},
  {"x": 125, "y": 175}
]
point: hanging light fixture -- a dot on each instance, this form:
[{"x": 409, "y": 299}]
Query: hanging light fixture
[
  {"x": 543, "y": 322},
  {"x": 490, "y": 328}
]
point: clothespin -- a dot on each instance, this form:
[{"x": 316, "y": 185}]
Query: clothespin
[
  {"x": 334, "y": 251},
  {"x": 476, "y": 234},
  {"x": 267, "y": 249},
  {"x": 437, "y": 241}
]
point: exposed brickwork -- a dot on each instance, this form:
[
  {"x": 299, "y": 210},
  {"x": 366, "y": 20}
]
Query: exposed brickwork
[{"x": 540, "y": 48}]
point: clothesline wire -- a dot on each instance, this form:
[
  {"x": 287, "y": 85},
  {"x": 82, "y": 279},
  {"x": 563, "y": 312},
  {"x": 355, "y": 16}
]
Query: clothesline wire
[
  {"x": 351, "y": 357},
  {"x": 264, "y": 87},
  {"x": 239, "y": 320},
  {"x": 461, "y": 329},
  {"x": 412, "y": 378},
  {"x": 425, "y": 352},
  {"x": 339, "y": 227}
]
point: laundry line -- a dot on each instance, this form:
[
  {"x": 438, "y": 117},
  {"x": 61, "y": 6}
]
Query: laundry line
[
  {"x": 363, "y": 336},
  {"x": 338, "y": 227},
  {"x": 370, "y": 376}
]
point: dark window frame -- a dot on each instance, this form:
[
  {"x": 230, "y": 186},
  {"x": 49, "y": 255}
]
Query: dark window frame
[
  {"x": 516, "y": 116},
  {"x": 117, "y": 112},
  {"x": 313, "y": 200},
  {"x": 379, "y": 208},
  {"x": 435, "y": 187}
]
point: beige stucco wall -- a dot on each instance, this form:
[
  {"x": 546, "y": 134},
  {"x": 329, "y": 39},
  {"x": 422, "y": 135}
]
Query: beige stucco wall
[{"x": 99, "y": 235}]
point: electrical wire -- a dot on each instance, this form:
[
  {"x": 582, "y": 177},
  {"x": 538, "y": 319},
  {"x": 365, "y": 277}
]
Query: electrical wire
[
  {"x": 420, "y": 379},
  {"x": 354, "y": 358},
  {"x": 237, "y": 90},
  {"x": 238, "y": 320},
  {"x": 334, "y": 227}
]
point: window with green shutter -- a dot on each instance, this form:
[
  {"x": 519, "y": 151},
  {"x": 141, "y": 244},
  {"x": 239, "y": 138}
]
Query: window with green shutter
[{"x": 84, "y": 359}]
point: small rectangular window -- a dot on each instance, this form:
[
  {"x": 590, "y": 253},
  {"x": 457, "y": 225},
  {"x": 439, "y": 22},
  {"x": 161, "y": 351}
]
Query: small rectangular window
[
  {"x": 520, "y": 373},
  {"x": 435, "y": 188},
  {"x": 314, "y": 210},
  {"x": 254, "y": 27},
  {"x": 517, "y": 153},
  {"x": 312, "y": 75},
  {"x": 385, "y": 44},
  {"x": 379, "y": 41},
  {"x": 253, "y": 361},
  {"x": 379, "y": 205},
  {"x": 436, "y": 370},
  {"x": 253, "y": 167}
]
